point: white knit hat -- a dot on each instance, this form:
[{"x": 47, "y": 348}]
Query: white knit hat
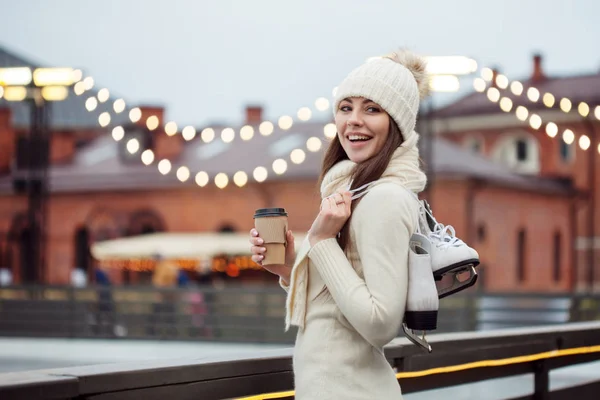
[{"x": 396, "y": 82}]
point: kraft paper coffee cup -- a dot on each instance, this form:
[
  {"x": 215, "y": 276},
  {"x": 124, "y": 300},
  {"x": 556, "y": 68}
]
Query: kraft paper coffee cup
[{"x": 272, "y": 225}]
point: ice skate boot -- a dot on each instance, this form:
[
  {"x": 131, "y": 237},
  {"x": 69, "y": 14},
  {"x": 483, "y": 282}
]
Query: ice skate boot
[
  {"x": 422, "y": 300},
  {"x": 449, "y": 254}
]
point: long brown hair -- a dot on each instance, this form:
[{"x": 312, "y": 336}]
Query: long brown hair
[{"x": 365, "y": 172}]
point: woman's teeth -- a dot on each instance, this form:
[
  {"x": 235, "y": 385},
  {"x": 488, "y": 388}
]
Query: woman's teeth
[{"x": 354, "y": 138}]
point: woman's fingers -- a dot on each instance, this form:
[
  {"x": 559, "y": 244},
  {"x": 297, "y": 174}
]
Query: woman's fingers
[{"x": 257, "y": 250}]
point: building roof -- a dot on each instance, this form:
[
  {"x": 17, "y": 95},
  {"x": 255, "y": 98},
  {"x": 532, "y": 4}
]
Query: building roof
[
  {"x": 580, "y": 88},
  {"x": 65, "y": 115},
  {"x": 98, "y": 167}
]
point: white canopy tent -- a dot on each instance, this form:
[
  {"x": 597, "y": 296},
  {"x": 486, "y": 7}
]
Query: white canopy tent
[{"x": 176, "y": 246}]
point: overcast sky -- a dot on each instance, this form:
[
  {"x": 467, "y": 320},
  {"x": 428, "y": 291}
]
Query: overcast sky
[{"x": 205, "y": 60}]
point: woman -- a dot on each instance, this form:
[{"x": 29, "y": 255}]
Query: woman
[{"x": 347, "y": 286}]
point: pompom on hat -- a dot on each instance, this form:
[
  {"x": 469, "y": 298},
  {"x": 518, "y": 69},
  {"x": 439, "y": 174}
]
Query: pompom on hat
[{"x": 397, "y": 82}]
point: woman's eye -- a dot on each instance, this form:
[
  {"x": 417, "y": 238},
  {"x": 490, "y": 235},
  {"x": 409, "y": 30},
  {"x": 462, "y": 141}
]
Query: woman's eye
[
  {"x": 373, "y": 109},
  {"x": 345, "y": 108}
]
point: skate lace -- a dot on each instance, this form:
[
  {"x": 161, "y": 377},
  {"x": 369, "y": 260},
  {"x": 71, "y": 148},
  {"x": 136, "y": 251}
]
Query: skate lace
[{"x": 445, "y": 235}]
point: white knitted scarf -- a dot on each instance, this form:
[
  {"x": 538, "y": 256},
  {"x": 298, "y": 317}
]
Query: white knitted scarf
[{"x": 402, "y": 169}]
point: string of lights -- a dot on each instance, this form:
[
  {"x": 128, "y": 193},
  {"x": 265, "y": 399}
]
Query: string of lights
[
  {"x": 183, "y": 173},
  {"x": 494, "y": 94}
]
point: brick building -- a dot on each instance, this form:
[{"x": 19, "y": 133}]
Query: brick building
[{"x": 520, "y": 197}]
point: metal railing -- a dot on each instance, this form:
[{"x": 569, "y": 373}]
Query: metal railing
[
  {"x": 458, "y": 358},
  {"x": 240, "y": 313}
]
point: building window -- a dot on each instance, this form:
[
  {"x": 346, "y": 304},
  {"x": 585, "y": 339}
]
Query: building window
[
  {"x": 521, "y": 246},
  {"x": 566, "y": 152},
  {"x": 474, "y": 145},
  {"x": 521, "y": 149},
  {"x": 82, "y": 249},
  {"x": 556, "y": 247},
  {"x": 481, "y": 233},
  {"x": 227, "y": 228}
]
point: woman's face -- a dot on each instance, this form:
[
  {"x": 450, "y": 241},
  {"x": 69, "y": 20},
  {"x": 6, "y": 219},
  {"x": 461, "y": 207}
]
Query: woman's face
[{"x": 362, "y": 128}]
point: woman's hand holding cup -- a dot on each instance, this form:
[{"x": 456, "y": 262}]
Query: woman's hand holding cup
[{"x": 258, "y": 251}]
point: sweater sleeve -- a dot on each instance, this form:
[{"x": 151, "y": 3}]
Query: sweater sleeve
[{"x": 382, "y": 224}]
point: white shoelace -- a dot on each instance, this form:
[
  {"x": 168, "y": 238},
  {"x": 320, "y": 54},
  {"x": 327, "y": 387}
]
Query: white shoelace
[{"x": 445, "y": 234}]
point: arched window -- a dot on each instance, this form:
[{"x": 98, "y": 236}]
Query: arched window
[
  {"x": 145, "y": 221},
  {"x": 519, "y": 151}
]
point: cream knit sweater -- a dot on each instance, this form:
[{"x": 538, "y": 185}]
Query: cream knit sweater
[{"x": 349, "y": 304}]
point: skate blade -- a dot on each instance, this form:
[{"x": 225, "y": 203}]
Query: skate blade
[
  {"x": 413, "y": 337},
  {"x": 457, "y": 284}
]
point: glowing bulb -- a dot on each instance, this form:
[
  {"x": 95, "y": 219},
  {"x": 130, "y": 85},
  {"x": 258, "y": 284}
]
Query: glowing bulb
[
  {"x": 551, "y": 129},
  {"x": 164, "y": 166},
  {"x": 119, "y": 106},
  {"x": 207, "y": 135},
  {"x": 501, "y": 81},
  {"x": 487, "y": 74},
  {"x": 584, "y": 142},
  {"x": 266, "y": 128},
  {"x": 133, "y": 146},
  {"x": 304, "y": 114},
  {"x": 89, "y": 83},
  {"x": 152, "y": 122},
  {"x": 227, "y": 135},
  {"x": 506, "y": 104},
  {"x": 533, "y": 94},
  {"x": 240, "y": 178},
  {"x": 479, "y": 85},
  {"x": 516, "y": 87},
  {"x": 118, "y": 133},
  {"x": 247, "y": 132},
  {"x": 79, "y": 88},
  {"x": 221, "y": 180},
  {"x": 313, "y": 144},
  {"x": 188, "y": 133},
  {"x": 330, "y": 130},
  {"x": 493, "y": 94},
  {"x": 91, "y": 104},
  {"x": 548, "y": 100},
  {"x": 285, "y": 122},
  {"x": 522, "y": 113},
  {"x": 170, "y": 128},
  {"x": 568, "y": 136},
  {"x": 202, "y": 179},
  {"x": 565, "y": 105},
  {"x": 183, "y": 173},
  {"x": 583, "y": 109},
  {"x": 260, "y": 174},
  {"x": 148, "y": 157},
  {"x": 103, "y": 95},
  {"x": 104, "y": 119},
  {"x": 279, "y": 166},
  {"x": 597, "y": 112},
  {"x": 535, "y": 121},
  {"x": 598, "y": 148},
  {"x": 297, "y": 156},
  {"x": 135, "y": 114},
  {"x": 322, "y": 104}
]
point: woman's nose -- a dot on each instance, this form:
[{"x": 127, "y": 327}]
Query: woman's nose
[{"x": 355, "y": 118}]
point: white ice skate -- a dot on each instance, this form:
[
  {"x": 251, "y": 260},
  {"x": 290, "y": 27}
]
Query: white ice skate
[
  {"x": 422, "y": 301},
  {"x": 449, "y": 254}
]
